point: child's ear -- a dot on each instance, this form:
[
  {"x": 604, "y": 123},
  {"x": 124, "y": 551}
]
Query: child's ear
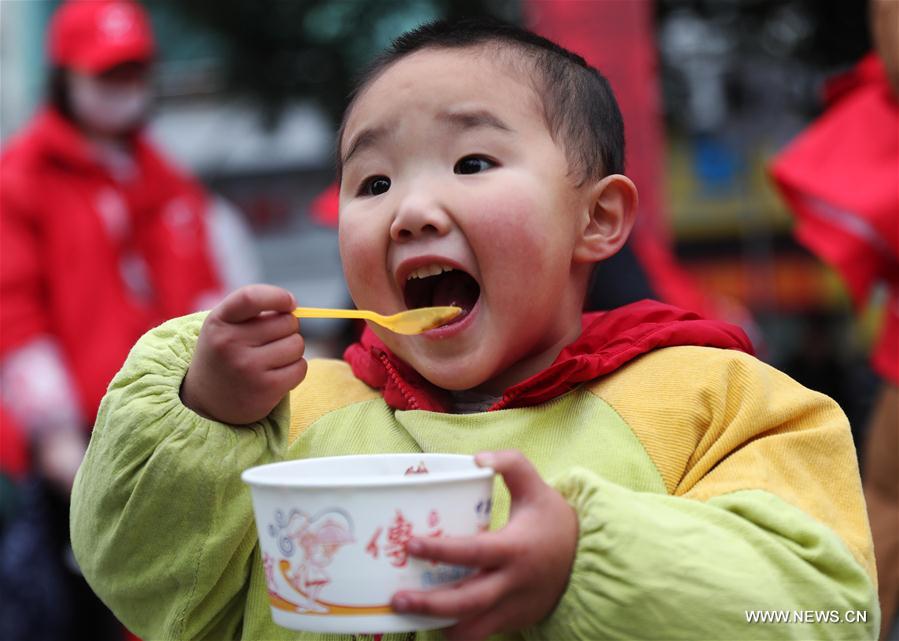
[{"x": 607, "y": 220}]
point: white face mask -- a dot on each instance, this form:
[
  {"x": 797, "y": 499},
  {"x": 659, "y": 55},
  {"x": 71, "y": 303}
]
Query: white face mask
[{"x": 106, "y": 107}]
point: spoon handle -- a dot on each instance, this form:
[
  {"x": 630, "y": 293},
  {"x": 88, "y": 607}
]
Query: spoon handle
[{"x": 324, "y": 312}]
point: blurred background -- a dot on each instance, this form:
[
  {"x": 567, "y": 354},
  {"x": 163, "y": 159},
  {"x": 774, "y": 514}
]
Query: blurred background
[{"x": 249, "y": 95}]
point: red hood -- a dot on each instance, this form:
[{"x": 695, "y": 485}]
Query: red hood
[{"x": 608, "y": 341}]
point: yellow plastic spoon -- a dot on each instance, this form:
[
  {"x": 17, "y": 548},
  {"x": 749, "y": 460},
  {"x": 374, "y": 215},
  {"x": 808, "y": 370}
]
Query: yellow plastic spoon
[{"x": 412, "y": 321}]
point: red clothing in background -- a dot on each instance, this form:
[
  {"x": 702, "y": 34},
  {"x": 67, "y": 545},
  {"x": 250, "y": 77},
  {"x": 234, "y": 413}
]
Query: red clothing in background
[
  {"x": 92, "y": 260},
  {"x": 13, "y": 449},
  {"x": 841, "y": 179}
]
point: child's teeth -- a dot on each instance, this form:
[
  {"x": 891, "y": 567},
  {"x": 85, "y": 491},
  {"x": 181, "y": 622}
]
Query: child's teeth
[{"x": 429, "y": 270}]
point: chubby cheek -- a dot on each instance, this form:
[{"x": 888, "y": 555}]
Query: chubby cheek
[
  {"x": 516, "y": 249},
  {"x": 363, "y": 258}
]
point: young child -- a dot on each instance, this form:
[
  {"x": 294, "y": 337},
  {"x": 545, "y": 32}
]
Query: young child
[{"x": 662, "y": 483}]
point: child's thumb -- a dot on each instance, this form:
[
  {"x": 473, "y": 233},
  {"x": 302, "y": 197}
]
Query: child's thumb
[{"x": 519, "y": 474}]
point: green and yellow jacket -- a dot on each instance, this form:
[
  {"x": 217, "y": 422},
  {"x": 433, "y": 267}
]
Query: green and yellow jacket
[{"x": 709, "y": 486}]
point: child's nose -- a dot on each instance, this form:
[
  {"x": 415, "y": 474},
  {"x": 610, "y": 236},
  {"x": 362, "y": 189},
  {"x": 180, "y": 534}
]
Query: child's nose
[{"x": 417, "y": 217}]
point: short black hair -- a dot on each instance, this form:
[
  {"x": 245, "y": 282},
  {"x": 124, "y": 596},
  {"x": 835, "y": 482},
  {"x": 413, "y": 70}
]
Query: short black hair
[{"x": 578, "y": 104}]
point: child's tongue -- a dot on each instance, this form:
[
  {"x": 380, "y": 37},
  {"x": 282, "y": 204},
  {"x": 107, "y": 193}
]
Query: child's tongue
[{"x": 455, "y": 288}]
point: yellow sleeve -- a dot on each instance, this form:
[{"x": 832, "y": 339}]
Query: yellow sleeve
[{"x": 740, "y": 424}]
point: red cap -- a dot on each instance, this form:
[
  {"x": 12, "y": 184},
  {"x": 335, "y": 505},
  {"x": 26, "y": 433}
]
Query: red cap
[{"x": 95, "y": 35}]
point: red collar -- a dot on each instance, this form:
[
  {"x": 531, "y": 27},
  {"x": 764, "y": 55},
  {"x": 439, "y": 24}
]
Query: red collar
[{"x": 608, "y": 341}]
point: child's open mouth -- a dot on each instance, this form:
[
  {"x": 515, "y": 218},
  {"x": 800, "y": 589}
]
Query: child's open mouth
[{"x": 438, "y": 285}]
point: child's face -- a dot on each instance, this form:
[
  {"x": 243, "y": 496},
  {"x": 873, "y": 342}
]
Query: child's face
[{"x": 448, "y": 162}]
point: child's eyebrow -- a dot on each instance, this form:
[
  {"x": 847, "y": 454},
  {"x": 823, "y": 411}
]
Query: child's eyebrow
[
  {"x": 365, "y": 138},
  {"x": 462, "y": 120},
  {"x": 473, "y": 120}
]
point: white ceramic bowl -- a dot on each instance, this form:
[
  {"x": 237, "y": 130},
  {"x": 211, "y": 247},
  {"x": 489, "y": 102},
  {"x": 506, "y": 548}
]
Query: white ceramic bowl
[{"x": 333, "y": 533}]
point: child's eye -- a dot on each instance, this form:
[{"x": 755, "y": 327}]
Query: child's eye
[
  {"x": 473, "y": 165},
  {"x": 374, "y": 186}
]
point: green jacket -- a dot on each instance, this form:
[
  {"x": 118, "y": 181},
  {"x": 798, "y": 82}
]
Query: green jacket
[{"x": 708, "y": 487}]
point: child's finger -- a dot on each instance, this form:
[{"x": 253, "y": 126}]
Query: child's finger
[
  {"x": 281, "y": 352},
  {"x": 519, "y": 474},
  {"x": 480, "y": 627},
  {"x": 269, "y": 327},
  {"x": 248, "y": 302},
  {"x": 486, "y": 550},
  {"x": 289, "y": 376},
  {"x": 463, "y": 601}
]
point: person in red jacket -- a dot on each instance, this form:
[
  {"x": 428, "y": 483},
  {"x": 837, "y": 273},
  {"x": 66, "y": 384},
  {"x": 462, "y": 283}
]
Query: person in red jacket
[{"x": 101, "y": 238}]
